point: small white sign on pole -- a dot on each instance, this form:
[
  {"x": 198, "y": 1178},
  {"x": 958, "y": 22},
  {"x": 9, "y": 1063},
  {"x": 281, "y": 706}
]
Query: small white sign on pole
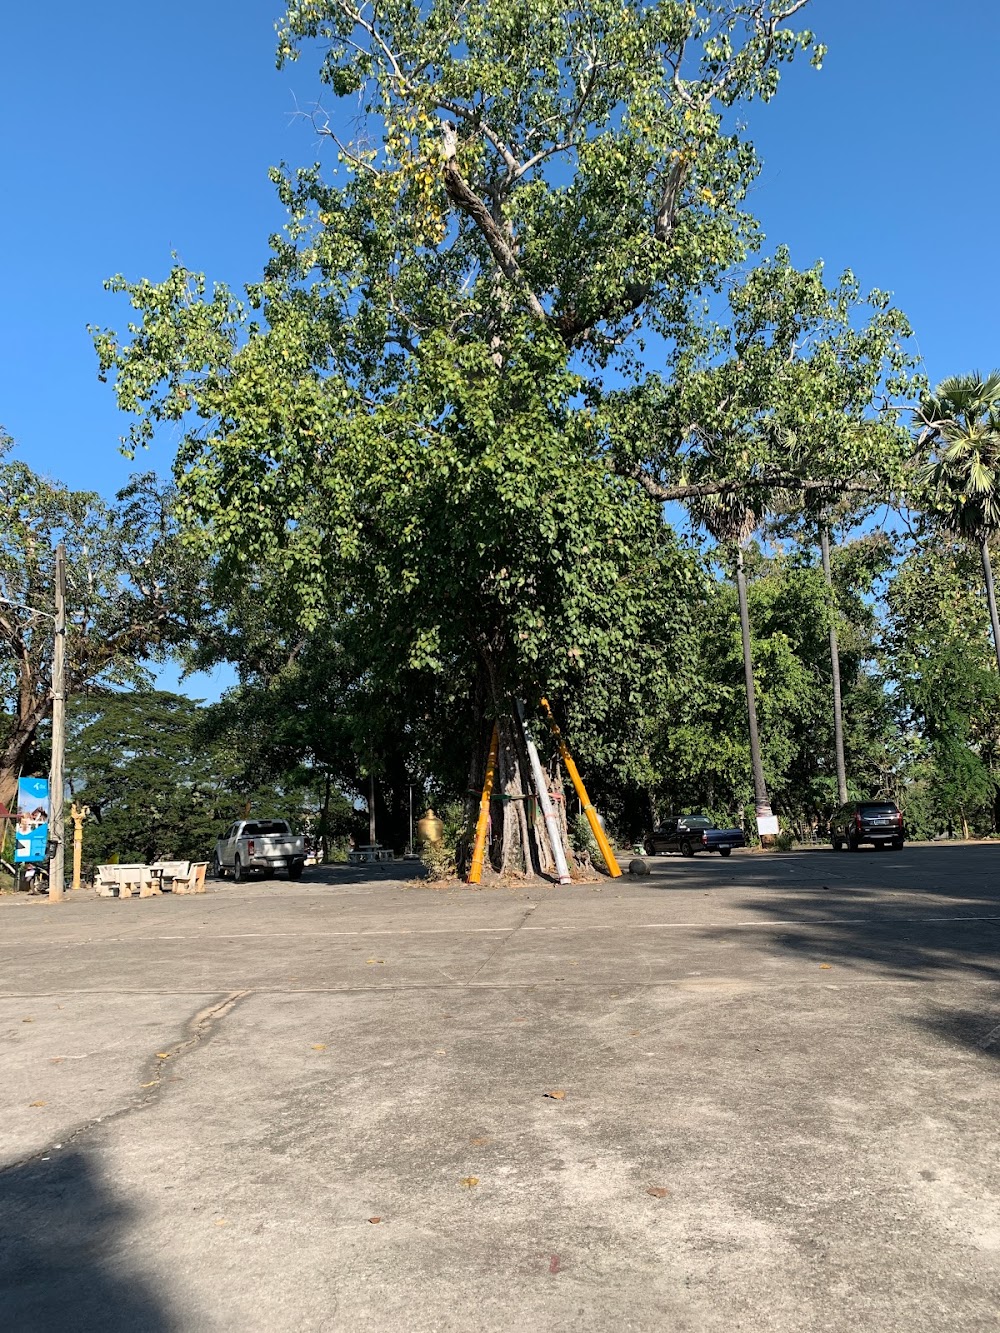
[{"x": 767, "y": 824}]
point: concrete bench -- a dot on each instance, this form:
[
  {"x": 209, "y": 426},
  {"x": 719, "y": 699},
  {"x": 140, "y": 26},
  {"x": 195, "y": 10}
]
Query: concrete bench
[
  {"x": 368, "y": 855},
  {"x": 186, "y": 876},
  {"x": 147, "y": 880},
  {"x": 128, "y": 879}
]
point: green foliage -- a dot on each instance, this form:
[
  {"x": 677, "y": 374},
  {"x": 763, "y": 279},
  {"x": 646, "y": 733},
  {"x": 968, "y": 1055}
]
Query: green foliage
[
  {"x": 155, "y": 788},
  {"x": 938, "y": 653},
  {"x": 959, "y": 426},
  {"x": 133, "y": 589},
  {"x": 699, "y": 747}
]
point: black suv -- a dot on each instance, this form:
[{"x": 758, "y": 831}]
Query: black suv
[{"x": 877, "y": 822}]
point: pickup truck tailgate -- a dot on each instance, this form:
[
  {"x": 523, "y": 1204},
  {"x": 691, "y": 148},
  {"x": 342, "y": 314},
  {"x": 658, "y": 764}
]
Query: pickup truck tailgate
[{"x": 270, "y": 844}]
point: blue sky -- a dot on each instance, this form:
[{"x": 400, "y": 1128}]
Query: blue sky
[{"x": 129, "y": 130}]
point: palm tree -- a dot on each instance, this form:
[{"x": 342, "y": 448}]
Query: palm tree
[
  {"x": 731, "y": 519},
  {"x": 960, "y": 424}
]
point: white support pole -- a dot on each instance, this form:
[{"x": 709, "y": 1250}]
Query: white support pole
[{"x": 542, "y": 788}]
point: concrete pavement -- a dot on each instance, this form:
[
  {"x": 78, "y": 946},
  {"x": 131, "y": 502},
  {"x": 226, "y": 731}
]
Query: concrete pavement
[{"x": 779, "y": 1111}]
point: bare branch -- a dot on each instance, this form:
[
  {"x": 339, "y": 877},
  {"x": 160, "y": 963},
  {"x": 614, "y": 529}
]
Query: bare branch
[{"x": 470, "y": 203}]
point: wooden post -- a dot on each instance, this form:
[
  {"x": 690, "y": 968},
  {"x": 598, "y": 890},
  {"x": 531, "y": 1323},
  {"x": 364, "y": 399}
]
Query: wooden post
[
  {"x": 483, "y": 822},
  {"x": 541, "y": 787},
  {"x": 614, "y": 869}
]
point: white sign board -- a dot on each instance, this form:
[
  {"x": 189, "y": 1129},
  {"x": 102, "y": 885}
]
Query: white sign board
[{"x": 767, "y": 824}]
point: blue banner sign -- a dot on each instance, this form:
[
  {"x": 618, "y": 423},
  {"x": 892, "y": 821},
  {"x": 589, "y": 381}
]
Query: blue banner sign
[{"x": 32, "y": 834}]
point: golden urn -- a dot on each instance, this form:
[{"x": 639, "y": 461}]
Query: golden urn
[{"x": 429, "y": 828}]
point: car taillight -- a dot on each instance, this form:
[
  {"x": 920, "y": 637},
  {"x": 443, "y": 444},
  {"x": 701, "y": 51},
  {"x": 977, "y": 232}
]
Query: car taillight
[
  {"x": 250, "y": 847},
  {"x": 899, "y": 817},
  {"x": 704, "y": 839},
  {"x": 857, "y": 820}
]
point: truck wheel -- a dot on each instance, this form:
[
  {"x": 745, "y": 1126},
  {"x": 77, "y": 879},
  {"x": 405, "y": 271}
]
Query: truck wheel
[
  {"x": 218, "y": 870},
  {"x": 687, "y": 849},
  {"x": 852, "y": 844},
  {"x": 725, "y": 851},
  {"x": 237, "y": 871},
  {"x": 836, "y": 844},
  {"x": 649, "y": 849},
  {"x": 897, "y": 844}
]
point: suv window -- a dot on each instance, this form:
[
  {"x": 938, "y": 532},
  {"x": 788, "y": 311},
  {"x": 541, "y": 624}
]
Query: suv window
[{"x": 878, "y": 808}]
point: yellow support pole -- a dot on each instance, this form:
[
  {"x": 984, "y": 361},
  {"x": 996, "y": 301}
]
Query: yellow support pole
[
  {"x": 614, "y": 869},
  {"x": 482, "y": 823},
  {"x": 78, "y": 814}
]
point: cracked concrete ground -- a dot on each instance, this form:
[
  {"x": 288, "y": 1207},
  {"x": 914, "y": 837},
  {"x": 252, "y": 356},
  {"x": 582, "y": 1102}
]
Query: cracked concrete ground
[{"x": 322, "y": 1106}]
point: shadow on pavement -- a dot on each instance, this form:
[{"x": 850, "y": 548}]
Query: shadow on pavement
[
  {"x": 930, "y": 916},
  {"x": 67, "y": 1254},
  {"x": 976, "y": 1029}
]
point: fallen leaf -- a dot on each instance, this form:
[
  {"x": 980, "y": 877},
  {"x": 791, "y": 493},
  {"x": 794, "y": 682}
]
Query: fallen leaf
[
  {"x": 636, "y": 1033},
  {"x": 27, "y": 1020},
  {"x": 220, "y": 1221},
  {"x": 374, "y": 1219},
  {"x": 36, "y": 1103},
  {"x": 470, "y": 1182},
  {"x": 149, "y": 1085},
  {"x": 163, "y": 1055},
  {"x": 481, "y": 1141},
  {"x": 826, "y": 966},
  {"x": 57, "y": 1060},
  {"x": 320, "y": 1046},
  {"x": 440, "y": 1052},
  {"x": 557, "y": 1095},
  {"x": 553, "y": 1263},
  {"x": 374, "y": 960},
  {"x": 520, "y": 1020},
  {"x": 658, "y": 1192}
]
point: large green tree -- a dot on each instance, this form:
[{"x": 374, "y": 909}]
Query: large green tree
[{"x": 422, "y": 423}]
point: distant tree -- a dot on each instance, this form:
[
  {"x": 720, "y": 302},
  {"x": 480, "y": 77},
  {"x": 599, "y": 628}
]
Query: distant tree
[
  {"x": 946, "y": 689},
  {"x": 959, "y": 423},
  {"x": 156, "y": 787},
  {"x": 133, "y": 588}
]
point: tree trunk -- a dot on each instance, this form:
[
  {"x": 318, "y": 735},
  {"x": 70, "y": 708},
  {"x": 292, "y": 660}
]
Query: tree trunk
[
  {"x": 515, "y": 842},
  {"x": 324, "y": 822},
  {"x": 14, "y": 754},
  {"x": 761, "y": 798},
  {"x": 991, "y": 596},
  {"x": 838, "y": 711}
]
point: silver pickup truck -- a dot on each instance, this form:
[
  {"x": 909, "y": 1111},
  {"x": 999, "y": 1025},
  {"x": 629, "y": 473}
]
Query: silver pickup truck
[{"x": 260, "y": 845}]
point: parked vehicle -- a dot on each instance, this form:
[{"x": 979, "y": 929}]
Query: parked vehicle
[
  {"x": 689, "y": 834},
  {"x": 262, "y": 845},
  {"x": 877, "y": 822}
]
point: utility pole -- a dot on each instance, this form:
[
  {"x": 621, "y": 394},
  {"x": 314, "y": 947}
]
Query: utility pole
[
  {"x": 57, "y": 873},
  {"x": 838, "y": 706}
]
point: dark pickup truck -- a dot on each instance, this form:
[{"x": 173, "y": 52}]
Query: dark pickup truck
[{"x": 692, "y": 833}]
